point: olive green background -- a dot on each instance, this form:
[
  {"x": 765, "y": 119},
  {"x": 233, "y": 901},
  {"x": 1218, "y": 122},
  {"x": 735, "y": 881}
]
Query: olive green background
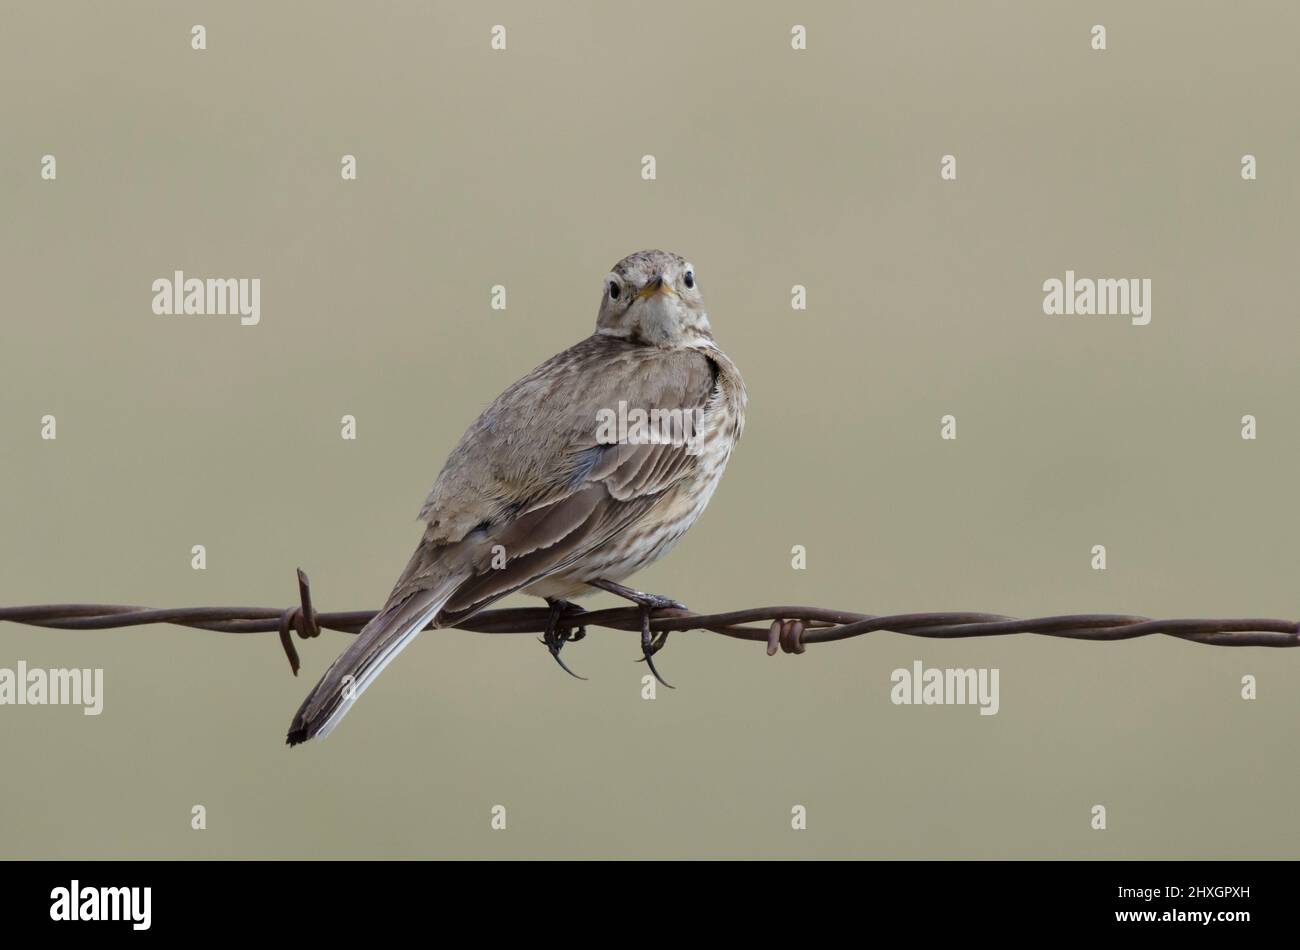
[{"x": 775, "y": 167}]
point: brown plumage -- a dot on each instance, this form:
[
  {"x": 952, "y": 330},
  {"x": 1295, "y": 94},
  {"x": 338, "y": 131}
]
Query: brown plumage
[{"x": 536, "y": 497}]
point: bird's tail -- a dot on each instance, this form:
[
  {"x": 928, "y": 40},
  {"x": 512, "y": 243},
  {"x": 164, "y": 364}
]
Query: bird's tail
[{"x": 374, "y": 648}]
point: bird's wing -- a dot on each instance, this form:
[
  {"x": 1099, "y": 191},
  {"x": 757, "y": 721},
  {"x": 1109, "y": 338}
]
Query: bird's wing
[
  {"x": 535, "y": 444},
  {"x": 553, "y": 491},
  {"x": 529, "y": 491}
]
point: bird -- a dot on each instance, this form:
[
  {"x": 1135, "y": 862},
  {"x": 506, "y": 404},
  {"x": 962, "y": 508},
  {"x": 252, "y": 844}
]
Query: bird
[{"x": 586, "y": 470}]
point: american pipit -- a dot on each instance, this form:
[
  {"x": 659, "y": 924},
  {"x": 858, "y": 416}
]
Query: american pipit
[{"x": 543, "y": 495}]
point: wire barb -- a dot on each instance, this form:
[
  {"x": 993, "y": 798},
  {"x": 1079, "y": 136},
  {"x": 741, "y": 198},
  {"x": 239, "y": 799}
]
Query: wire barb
[
  {"x": 302, "y": 618},
  {"x": 786, "y": 634}
]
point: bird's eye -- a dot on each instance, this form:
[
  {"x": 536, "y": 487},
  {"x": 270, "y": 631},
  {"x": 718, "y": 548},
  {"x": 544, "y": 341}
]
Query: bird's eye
[
  {"x": 613, "y": 290},
  {"x": 689, "y": 279}
]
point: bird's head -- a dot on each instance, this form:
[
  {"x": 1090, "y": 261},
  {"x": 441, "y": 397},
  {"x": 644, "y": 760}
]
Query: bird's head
[{"x": 653, "y": 298}]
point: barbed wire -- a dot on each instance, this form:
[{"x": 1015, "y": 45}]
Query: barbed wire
[{"x": 791, "y": 629}]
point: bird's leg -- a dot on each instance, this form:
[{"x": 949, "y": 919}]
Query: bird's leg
[
  {"x": 640, "y": 598},
  {"x": 648, "y": 603},
  {"x": 557, "y": 635}
]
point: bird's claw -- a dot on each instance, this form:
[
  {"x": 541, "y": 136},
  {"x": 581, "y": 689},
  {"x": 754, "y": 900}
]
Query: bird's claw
[
  {"x": 660, "y": 639},
  {"x": 650, "y": 645},
  {"x": 556, "y": 636}
]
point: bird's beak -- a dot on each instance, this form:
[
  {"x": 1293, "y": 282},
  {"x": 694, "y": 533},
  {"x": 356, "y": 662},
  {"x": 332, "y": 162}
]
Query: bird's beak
[{"x": 656, "y": 285}]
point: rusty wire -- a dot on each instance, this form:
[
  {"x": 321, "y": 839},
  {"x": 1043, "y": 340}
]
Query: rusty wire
[{"x": 790, "y": 628}]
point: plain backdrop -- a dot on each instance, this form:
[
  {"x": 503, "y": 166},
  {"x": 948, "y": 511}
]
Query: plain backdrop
[{"x": 775, "y": 167}]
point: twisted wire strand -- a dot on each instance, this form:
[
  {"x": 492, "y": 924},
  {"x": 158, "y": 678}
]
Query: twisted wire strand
[{"x": 790, "y": 628}]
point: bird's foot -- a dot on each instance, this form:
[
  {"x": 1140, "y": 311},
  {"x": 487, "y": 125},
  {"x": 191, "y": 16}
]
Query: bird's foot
[
  {"x": 557, "y": 633},
  {"x": 650, "y": 644}
]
